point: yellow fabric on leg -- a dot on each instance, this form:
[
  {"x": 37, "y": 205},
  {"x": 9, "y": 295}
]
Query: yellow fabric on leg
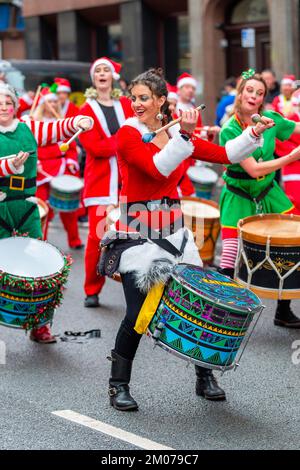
[{"x": 149, "y": 308}]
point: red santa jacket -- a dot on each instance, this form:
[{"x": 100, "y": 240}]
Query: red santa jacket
[
  {"x": 101, "y": 176},
  {"x": 54, "y": 162},
  {"x": 141, "y": 180},
  {"x": 290, "y": 172},
  {"x": 287, "y": 108},
  {"x": 25, "y": 103},
  {"x": 69, "y": 109}
]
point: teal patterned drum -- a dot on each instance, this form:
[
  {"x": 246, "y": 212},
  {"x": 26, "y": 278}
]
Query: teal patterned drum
[
  {"x": 65, "y": 193},
  {"x": 32, "y": 276},
  {"x": 203, "y": 317}
]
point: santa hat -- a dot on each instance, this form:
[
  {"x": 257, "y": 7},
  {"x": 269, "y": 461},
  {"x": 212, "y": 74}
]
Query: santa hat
[
  {"x": 114, "y": 67},
  {"x": 8, "y": 90},
  {"x": 186, "y": 79},
  {"x": 47, "y": 94},
  {"x": 63, "y": 85},
  {"x": 172, "y": 92},
  {"x": 288, "y": 80}
]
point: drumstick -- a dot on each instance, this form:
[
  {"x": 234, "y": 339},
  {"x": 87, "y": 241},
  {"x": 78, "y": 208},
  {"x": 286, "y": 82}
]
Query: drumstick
[
  {"x": 14, "y": 155},
  {"x": 149, "y": 136},
  {"x": 55, "y": 113},
  {"x": 65, "y": 146},
  {"x": 35, "y": 101}
]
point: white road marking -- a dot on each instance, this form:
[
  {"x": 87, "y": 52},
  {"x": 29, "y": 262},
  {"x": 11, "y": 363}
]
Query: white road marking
[{"x": 110, "y": 430}]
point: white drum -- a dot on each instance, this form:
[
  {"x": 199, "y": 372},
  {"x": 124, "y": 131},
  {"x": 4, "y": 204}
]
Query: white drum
[
  {"x": 65, "y": 193},
  {"x": 32, "y": 273},
  {"x": 204, "y": 180}
]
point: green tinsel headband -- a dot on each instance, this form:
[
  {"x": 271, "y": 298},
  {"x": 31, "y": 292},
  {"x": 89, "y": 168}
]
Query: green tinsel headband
[{"x": 248, "y": 74}]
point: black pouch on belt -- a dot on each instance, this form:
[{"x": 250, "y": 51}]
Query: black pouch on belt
[{"x": 112, "y": 248}]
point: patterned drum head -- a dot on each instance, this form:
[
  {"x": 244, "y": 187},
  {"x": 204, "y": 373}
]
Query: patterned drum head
[{"x": 216, "y": 288}]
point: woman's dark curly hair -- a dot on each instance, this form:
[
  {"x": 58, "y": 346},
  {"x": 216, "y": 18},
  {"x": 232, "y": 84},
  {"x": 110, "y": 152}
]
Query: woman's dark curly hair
[{"x": 154, "y": 79}]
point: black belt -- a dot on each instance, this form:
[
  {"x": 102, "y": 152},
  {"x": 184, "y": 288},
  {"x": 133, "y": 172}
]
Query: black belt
[
  {"x": 245, "y": 195},
  {"x": 151, "y": 204},
  {"x": 239, "y": 175},
  {"x": 17, "y": 183}
]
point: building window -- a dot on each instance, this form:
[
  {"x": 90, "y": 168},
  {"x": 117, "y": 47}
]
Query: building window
[
  {"x": 10, "y": 17},
  {"x": 115, "y": 42},
  {"x": 184, "y": 44},
  {"x": 250, "y": 11}
]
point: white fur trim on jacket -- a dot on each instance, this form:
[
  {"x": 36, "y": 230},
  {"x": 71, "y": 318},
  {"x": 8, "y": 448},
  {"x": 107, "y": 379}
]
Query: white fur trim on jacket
[
  {"x": 77, "y": 119},
  {"x": 141, "y": 259},
  {"x": 11, "y": 128},
  {"x": 176, "y": 150},
  {"x": 291, "y": 177},
  {"x": 243, "y": 146}
]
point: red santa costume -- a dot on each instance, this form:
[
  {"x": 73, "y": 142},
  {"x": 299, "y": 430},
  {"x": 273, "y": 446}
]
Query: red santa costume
[
  {"x": 25, "y": 103},
  {"x": 101, "y": 175},
  {"x": 185, "y": 186},
  {"x": 290, "y": 173},
  {"x": 68, "y": 109},
  {"x": 53, "y": 162}
]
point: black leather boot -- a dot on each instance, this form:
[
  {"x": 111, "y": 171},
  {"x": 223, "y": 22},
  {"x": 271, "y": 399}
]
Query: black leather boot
[
  {"x": 118, "y": 391},
  {"x": 227, "y": 272},
  {"x": 284, "y": 315},
  {"x": 91, "y": 301},
  {"x": 207, "y": 385}
]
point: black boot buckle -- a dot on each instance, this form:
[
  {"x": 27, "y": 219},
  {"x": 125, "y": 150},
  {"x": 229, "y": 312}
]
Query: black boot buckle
[{"x": 112, "y": 392}]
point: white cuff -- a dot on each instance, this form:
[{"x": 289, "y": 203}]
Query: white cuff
[
  {"x": 78, "y": 118},
  {"x": 243, "y": 146},
  {"x": 176, "y": 150},
  {"x": 16, "y": 171}
]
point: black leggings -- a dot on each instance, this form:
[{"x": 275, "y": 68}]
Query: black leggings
[{"x": 128, "y": 339}]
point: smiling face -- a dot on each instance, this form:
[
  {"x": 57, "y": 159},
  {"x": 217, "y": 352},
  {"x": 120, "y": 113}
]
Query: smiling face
[
  {"x": 252, "y": 96},
  {"x": 187, "y": 93},
  {"x": 103, "y": 78},
  {"x": 145, "y": 104},
  {"x": 7, "y": 110}
]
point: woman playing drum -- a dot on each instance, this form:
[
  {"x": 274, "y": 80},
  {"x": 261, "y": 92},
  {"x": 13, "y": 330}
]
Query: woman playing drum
[
  {"x": 250, "y": 185},
  {"x": 150, "y": 175},
  {"x": 18, "y": 212}
]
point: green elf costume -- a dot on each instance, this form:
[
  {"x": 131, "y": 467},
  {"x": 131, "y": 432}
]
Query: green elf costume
[
  {"x": 244, "y": 196},
  {"x": 265, "y": 195},
  {"x": 19, "y": 213}
]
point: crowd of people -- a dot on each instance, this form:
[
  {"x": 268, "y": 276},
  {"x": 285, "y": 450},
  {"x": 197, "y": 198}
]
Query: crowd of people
[{"x": 121, "y": 170}]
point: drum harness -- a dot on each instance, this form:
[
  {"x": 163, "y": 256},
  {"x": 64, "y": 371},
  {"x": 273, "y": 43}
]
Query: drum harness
[
  {"x": 240, "y": 192},
  {"x": 25, "y": 184},
  {"x": 113, "y": 245}
]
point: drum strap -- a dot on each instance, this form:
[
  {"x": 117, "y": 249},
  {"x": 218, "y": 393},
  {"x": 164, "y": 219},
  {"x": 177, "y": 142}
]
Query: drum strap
[
  {"x": 256, "y": 200},
  {"x": 161, "y": 242},
  {"x": 26, "y": 216}
]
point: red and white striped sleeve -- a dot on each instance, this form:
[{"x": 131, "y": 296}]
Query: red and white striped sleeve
[
  {"x": 7, "y": 168},
  {"x": 47, "y": 133}
]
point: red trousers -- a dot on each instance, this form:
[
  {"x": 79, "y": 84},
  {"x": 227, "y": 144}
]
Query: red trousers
[
  {"x": 97, "y": 220},
  {"x": 69, "y": 219}
]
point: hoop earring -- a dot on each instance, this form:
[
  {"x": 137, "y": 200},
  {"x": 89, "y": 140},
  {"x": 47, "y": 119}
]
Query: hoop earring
[{"x": 159, "y": 116}]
